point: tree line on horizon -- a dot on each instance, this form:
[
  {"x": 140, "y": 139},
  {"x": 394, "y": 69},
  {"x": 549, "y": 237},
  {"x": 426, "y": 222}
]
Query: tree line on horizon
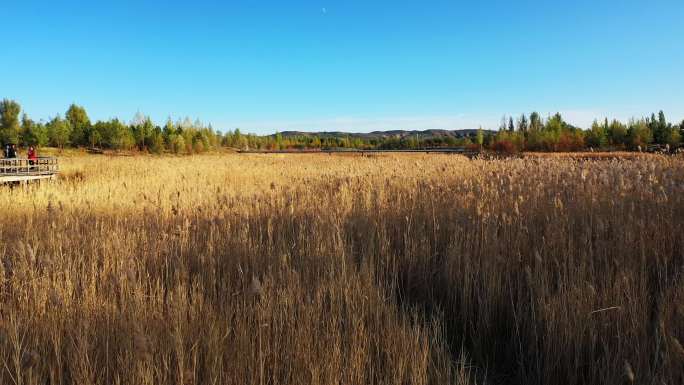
[
  {"x": 526, "y": 133},
  {"x": 75, "y": 129},
  {"x": 555, "y": 134}
]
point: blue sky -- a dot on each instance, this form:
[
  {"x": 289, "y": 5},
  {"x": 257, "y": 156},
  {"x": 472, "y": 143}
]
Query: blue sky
[{"x": 344, "y": 65}]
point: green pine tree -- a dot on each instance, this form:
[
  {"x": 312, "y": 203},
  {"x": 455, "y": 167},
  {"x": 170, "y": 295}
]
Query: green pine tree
[
  {"x": 78, "y": 119},
  {"x": 9, "y": 121}
]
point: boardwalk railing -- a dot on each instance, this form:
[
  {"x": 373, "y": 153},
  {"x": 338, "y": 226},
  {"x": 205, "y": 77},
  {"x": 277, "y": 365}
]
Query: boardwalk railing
[{"x": 42, "y": 167}]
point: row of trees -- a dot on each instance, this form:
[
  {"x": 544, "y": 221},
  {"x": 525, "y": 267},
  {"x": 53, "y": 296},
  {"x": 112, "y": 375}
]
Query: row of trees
[
  {"x": 527, "y": 133},
  {"x": 76, "y": 130},
  {"x": 531, "y": 133},
  {"x": 554, "y": 134}
]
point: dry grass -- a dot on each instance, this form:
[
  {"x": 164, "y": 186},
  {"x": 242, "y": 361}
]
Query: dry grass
[
  {"x": 420, "y": 269},
  {"x": 590, "y": 155}
]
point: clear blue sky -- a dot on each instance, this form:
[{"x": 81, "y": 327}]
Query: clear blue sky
[{"x": 344, "y": 65}]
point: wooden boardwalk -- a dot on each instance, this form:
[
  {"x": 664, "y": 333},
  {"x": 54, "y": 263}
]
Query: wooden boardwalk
[{"x": 24, "y": 170}]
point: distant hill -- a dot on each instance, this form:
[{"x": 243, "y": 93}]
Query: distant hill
[{"x": 425, "y": 134}]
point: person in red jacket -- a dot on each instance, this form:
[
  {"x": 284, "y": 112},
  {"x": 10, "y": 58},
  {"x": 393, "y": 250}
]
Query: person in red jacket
[{"x": 31, "y": 155}]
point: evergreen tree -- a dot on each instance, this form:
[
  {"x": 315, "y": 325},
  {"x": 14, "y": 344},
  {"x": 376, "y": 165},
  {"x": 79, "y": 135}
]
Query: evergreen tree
[
  {"x": 674, "y": 137},
  {"x": 661, "y": 134},
  {"x": 555, "y": 123},
  {"x": 26, "y": 126},
  {"x": 639, "y": 133},
  {"x": 617, "y": 133},
  {"x": 156, "y": 140},
  {"x": 480, "y": 138},
  {"x": 80, "y": 125},
  {"x": 32, "y": 133},
  {"x": 112, "y": 134},
  {"x": 535, "y": 122},
  {"x": 94, "y": 136},
  {"x": 662, "y": 122},
  {"x": 9, "y": 121},
  {"x": 59, "y": 132},
  {"x": 178, "y": 144},
  {"x": 169, "y": 132},
  {"x": 522, "y": 123},
  {"x": 239, "y": 140},
  {"x": 142, "y": 128},
  {"x": 511, "y": 127},
  {"x": 596, "y": 137}
]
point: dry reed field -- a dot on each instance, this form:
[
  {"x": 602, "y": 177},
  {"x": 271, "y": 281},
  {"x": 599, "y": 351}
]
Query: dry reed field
[{"x": 318, "y": 269}]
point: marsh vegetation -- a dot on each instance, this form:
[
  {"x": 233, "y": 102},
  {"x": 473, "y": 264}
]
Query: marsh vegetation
[{"x": 313, "y": 269}]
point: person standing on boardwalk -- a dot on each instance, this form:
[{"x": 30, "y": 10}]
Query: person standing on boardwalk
[
  {"x": 31, "y": 155},
  {"x": 12, "y": 153}
]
